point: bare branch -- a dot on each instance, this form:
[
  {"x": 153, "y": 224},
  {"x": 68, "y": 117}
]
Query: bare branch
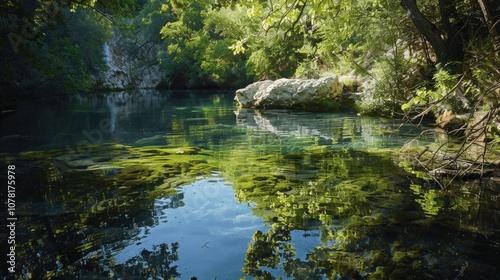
[{"x": 297, "y": 19}]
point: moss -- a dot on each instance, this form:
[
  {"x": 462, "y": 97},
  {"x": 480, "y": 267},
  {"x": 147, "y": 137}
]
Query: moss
[
  {"x": 167, "y": 188},
  {"x": 379, "y": 273},
  {"x": 379, "y": 258},
  {"x": 200, "y": 169},
  {"x": 283, "y": 185},
  {"x": 128, "y": 168},
  {"x": 252, "y": 181},
  {"x": 262, "y": 184},
  {"x": 134, "y": 175},
  {"x": 40, "y": 155},
  {"x": 351, "y": 205},
  {"x": 397, "y": 245},
  {"x": 373, "y": 220}
]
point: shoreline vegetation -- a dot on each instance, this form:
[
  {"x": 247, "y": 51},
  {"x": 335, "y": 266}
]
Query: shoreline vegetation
[{"x": 404, "y": 59}]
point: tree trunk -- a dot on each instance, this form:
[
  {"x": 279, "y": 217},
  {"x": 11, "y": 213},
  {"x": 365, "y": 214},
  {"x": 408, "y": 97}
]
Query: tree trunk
[
  {"x": 487, "y": 17},
  {"x": 452, "y": 29},
  {"x": 426, "y": 28}
]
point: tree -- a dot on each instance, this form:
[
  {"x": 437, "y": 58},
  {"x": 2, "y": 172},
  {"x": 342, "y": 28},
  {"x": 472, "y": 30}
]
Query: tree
[
  {"x": 429, "y": 30},
  {"x": 52, "y": 43},
  {"x": 454, "y": 27}
]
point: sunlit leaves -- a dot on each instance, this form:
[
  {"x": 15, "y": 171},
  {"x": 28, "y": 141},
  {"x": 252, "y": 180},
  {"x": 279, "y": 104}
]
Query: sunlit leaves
[
  {"x": 176, "y": 31},
  {"x": 219, "y": 61},
  {"x": 237, "y": 47},
  {"x": 444, "y": 83},
  {"x": 178, "y": 5},
  {"x": 420, "y": 99},
  {"x": 200, "y": 44},
  {"x": 255, "y": 10},
  {"x": 266, "y": 36}
]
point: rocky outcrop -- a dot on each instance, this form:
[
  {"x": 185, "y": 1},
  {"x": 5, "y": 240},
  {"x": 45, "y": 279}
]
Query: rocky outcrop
[
  {"x": 313, "y": 94},
  {"x": 130, "y": 65}
]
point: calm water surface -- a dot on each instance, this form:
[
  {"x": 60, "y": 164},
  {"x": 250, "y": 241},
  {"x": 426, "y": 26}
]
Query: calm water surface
[{"x": 160, "y": 185}]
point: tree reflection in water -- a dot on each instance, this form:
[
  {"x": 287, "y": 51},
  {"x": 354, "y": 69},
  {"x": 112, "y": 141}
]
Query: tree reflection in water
[
  {"x": 154, "y": 264},
  {"x": 300, "y": 172}
]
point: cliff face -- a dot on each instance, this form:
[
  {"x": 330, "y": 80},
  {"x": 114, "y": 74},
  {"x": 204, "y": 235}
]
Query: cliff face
[{"x": 131, "y": 64}]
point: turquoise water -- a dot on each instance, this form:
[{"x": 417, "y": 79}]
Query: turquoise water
[{"x": 159, "y": 185}]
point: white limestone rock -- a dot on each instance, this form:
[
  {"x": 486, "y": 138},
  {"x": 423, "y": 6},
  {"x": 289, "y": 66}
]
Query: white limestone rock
[{"x": 290, "y": 93}]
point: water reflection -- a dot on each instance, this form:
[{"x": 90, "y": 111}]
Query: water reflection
[
  {"x": 206, "y": 221},
  {"x": 154, "y": 263},
  {"x": 346, "y": 130},
  {"x": 187, "y": 187},
  {"x": 130, "y": 116}
]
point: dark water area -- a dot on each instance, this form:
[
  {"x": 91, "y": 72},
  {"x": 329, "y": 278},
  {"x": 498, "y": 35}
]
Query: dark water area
[
  {"x": 181, "y": 184},
  {"x": 123, "y": 117}
]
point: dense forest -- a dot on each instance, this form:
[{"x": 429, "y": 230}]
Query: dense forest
[{"x": 409, "y": 58}]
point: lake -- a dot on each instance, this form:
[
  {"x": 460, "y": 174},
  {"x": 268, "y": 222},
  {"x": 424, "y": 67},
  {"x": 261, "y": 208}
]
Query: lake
[{"x": 183, "y": 185}]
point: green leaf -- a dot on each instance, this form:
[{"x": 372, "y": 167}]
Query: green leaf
[{"x": 406, "y": 106}]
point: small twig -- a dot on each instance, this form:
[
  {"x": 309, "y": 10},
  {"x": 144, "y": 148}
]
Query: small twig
[{"x": 462, "y": 270}]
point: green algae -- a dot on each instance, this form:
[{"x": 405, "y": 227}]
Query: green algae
[
  {"x": 94, "y": 186},
  {"x": 371, "y": 222},
  {"x": 346, "y": 206},
  {"x": 352, "y": 196},
  {"x": 123, "y": 168}
]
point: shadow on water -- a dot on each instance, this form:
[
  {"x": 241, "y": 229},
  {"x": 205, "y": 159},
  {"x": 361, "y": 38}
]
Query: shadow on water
[{"x": 166, "y": 185}]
